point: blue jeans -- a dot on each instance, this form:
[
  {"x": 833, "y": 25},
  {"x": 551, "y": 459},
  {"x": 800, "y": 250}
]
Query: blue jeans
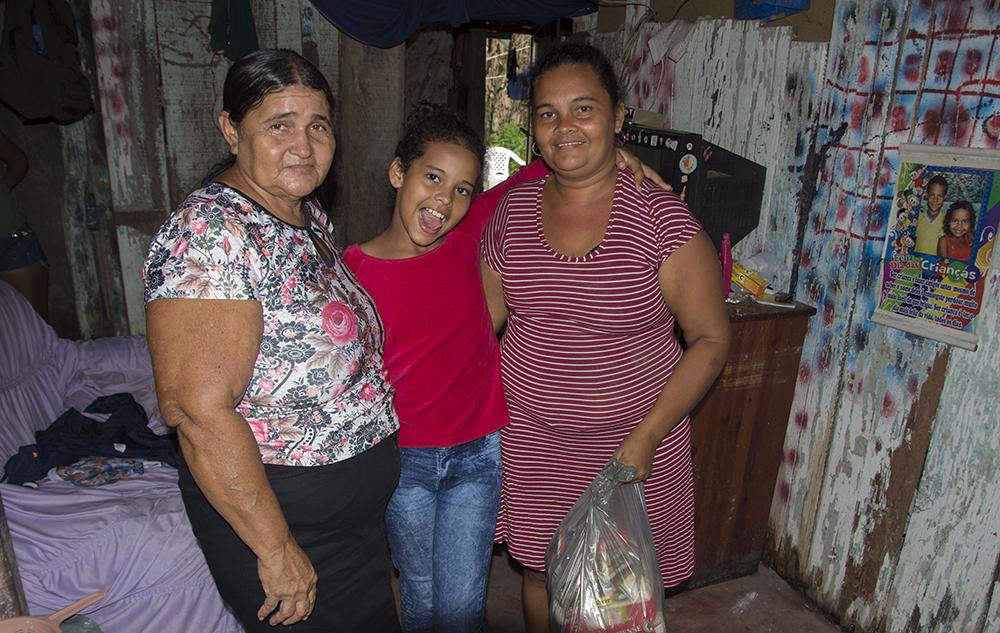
[{"x": 441, "y": 522}]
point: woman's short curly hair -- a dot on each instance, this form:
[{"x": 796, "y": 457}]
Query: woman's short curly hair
[{"x": 430, "y": 123}]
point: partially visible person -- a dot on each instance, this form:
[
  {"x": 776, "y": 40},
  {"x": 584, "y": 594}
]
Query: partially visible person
[
  {"x": 267, "y": 357},
  {"x": 930, "y": 222},
  {"x": 591, "y": 277},
  {"x": 959, "y": 225},
  {"x": 22, "y": 261}
]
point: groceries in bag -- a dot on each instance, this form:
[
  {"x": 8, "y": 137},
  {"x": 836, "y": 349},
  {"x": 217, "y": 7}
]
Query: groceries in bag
[{"x": 602, "y": 572}]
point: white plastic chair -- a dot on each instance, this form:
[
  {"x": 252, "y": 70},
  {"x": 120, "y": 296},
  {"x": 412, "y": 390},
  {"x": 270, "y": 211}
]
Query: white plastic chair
[{"x": 496, "y": 166}]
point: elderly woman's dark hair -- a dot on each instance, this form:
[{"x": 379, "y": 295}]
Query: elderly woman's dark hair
[
  {"x": 258, "y": 74},
  {"x": 431, "y": 123},
  {"x": 580, "y": 54},
  {"x": 261, "y": 72}
]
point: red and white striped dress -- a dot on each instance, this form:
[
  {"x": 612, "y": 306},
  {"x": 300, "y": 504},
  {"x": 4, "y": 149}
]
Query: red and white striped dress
[{"x": 588, "y": 348}]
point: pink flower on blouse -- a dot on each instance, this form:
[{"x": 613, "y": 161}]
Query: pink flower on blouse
[
  {"x": 180, "y": 247},
  {"x": 199, "y": 226},
  {"x": 368, "y": 392},
  {"x": 339, "y": 323},
  {"x": 259, "y": 430}
]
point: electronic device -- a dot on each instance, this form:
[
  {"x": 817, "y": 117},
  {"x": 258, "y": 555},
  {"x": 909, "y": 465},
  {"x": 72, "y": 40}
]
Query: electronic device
[{"x": 722, "y": 189}]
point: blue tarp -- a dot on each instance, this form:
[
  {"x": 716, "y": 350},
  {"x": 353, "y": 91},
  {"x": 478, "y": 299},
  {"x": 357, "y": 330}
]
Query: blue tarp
[{"x": 386, "y": 23}]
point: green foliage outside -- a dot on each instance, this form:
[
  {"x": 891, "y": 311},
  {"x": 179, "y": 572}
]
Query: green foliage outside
[{"x": 511, "y": 137}]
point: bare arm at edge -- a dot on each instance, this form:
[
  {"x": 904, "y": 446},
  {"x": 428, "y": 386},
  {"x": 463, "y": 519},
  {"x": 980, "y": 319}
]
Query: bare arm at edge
[
  {"x": 15, "y": 159},
  {"x": 691, "y": 285},
  {"x": 203, "y": 352},
  {"x": 493, "y": 286}
]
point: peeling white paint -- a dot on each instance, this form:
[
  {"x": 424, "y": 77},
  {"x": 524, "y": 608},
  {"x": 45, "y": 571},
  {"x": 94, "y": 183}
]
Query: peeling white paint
[
  {"x": 132, "y": 246},
  {"x": 124, "y": 43},
  {"x": 837, "y": 507},
  {"x": 953, "y": 536},
  {"x": 191, "y": 77},
  {"x": 744, "y": 603}
]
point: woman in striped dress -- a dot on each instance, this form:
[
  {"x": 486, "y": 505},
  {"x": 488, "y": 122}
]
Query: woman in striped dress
[{"x": 591, "y": 276}]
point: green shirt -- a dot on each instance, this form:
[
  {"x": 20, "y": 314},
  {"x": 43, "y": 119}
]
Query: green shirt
[
  {"x": 11, "y": 217},
  {"x": 928, "y": 232}
]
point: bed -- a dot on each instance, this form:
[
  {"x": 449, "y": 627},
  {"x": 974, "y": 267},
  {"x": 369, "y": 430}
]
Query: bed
[{"x": 130, "y": 537}]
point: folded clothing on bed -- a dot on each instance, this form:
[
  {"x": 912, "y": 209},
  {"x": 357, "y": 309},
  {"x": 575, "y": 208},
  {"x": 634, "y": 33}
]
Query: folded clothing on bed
[
  {"x": 73, "y": 436},
  {"x": 100, "y": 471}
]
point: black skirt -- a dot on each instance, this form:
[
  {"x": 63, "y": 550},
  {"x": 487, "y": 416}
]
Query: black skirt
[{"x": 336, "y": 513}]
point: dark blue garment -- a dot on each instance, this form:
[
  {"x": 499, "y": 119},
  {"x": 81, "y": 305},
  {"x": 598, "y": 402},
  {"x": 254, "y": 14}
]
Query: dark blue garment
[
  {"x": 441, "y": 520},
  {"x": 74, "y": 436},
  {"x": 386, "y": 23}
]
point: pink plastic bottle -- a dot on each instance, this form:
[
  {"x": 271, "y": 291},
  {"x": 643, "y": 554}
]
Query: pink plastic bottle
[{"x": 726, "y": 259}]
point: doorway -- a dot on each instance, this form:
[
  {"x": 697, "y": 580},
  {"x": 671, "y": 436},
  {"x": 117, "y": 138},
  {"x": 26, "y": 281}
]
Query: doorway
[{"x": 509, "y": 58}]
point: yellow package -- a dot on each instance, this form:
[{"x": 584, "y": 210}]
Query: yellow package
[{"x": 748, "y": 279}]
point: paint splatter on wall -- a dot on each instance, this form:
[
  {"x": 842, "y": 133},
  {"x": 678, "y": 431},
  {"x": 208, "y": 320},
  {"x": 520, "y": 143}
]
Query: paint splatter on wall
[
  {"x": 886, "y": 500},
  {"x": 869, "y": 397}
]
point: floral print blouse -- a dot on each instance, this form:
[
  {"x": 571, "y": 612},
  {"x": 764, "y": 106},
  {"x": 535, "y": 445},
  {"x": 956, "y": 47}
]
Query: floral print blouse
[{"x": 318, "y": 393}]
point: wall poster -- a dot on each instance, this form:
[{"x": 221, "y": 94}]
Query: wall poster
[{"x": 939, "y": 242}]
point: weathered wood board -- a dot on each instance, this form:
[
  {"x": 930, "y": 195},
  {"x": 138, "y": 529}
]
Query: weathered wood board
[{"x": 886, "y": 509}]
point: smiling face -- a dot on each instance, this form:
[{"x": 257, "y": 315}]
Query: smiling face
[
  {"x": 935, "y": 196},
  {"x": 283, "y": 147},
  {"x": 432, "y": 195},
  {"x": 574, "y": 121},
  {"x": 960, "y": 223}
]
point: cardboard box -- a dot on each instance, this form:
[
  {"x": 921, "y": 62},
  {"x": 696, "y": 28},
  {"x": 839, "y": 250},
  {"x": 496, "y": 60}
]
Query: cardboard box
[{"x": 748, "y": 279}]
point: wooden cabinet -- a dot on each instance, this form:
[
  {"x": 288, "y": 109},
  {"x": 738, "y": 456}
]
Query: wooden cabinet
[{"x": 738, "y": 435}]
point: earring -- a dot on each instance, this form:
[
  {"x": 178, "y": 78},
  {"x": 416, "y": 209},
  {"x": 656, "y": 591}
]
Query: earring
[
  {"x": 534, "y": 149},
  {"x": 619, "y": 138}
]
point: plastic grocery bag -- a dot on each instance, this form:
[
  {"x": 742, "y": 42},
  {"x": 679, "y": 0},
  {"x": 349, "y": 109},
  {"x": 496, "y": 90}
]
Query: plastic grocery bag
[{"x": 601, "y": 563}]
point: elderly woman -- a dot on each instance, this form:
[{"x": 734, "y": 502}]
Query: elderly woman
[
  {"x": 593, "y": 277},
  {"x": 268, "y": 361}
]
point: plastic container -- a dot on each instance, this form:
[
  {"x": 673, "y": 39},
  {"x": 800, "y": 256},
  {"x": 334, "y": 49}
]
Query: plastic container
[{"x": 726, "y": 259}]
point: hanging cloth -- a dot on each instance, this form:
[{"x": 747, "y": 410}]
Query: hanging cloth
[
  {"x": 386, "y": 23},
  {"x": 40, "y": 74},
  {"x": 232, "y": 28},
  {"x": 517, "y": 83}
]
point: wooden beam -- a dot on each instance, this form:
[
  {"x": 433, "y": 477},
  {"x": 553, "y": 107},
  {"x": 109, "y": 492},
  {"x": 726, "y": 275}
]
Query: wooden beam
[{"x": 370, "y": 122}]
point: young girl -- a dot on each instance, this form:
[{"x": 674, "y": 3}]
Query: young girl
[
  {"x": 442, "y": 357},
  {"x": 959, "y": 223}
]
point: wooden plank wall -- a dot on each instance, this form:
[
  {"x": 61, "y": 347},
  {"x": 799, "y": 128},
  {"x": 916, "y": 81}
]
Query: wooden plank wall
[
  {"x": 742, "y": 88},
  {"x": 130, "y": 97},
  {"x": 884, "y": 512},
  {"x": 724, "y": 87},
  {"x": 372, "y": 88},
  {"x": 886, "y": 507},
  {"x": 12, "y": 602},
  {"x": 160, "y": 89}
]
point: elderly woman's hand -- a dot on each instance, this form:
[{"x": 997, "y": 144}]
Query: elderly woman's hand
[
  {"x": 626, "y": 159},
  {"x": 289, "y": 582}
]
